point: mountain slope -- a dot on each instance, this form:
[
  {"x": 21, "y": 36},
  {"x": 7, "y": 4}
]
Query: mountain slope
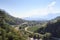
[
  {"x": 53, "y": 27},
  {"x": 7, "y": 32},
  {"x": 12, "y": 20},
  {"x": 46, "y": 17}
]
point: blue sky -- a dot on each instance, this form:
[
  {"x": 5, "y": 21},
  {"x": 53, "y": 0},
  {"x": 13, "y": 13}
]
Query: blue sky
[{"x": 31, "y": 8}]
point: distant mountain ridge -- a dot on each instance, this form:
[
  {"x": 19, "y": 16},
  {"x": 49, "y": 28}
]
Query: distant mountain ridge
[
  {"x": 47, "y": 17},
  {"x": 17, "y": 21}
]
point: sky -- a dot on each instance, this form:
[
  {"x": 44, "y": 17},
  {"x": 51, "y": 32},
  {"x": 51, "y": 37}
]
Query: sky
[{"x": 31, "y": 8}]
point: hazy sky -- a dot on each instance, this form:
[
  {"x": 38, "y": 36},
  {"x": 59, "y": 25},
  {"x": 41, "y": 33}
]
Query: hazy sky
[{"x": 29, "y": 8}]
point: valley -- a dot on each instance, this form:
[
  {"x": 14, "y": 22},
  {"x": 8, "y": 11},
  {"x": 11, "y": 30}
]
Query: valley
[{"x": 12, "y": 28}]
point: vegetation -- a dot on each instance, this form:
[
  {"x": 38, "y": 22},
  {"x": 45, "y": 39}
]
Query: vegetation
[
  {"x": 54, "y": 28},
  {"x": 7, "y": 32},
  {"x": 44, "y": 30},
  {"x": 12, "y": 20},
  {"x": 51, "y": 29},
  {"x": 33, "y": 29}
]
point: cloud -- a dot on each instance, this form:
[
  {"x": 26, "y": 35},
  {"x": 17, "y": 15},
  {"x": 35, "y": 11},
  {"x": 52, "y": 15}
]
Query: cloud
[
  {"x": 51, "y": 6},
  {"x": 49, "y": 9},
  {"x": 52, "y": 9},
  {"x": 36, "y": 12}
]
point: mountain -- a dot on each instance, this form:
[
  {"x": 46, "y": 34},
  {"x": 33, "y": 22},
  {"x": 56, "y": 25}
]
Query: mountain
[
  {"x": 57, "y": 18},
  {"x": 7, "y": 32},
  {"x": 34, "y": 18},
  {"x": 47, "y": 17},
  {"x": 17, "y": 21},
  {"x": 53, "y": 27},
  {"x": 12, "y": 20}
]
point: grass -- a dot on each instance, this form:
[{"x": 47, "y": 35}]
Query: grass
[{"x": 34, "y": 28}]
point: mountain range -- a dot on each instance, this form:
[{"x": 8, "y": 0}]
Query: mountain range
[{"x": 47, "y": 17}]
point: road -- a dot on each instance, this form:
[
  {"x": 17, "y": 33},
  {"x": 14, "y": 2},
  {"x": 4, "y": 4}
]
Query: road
[
  {"x": 27, "y": 30},
  {"x": 32, "y": 33}
]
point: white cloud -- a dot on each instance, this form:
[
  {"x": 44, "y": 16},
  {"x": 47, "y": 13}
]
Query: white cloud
[
  {"x": 52, "y": 4},
  {"x": 51, "y": 7},
  {"x": 41, "y": 12},
  {"x": 36, "y": 12}
]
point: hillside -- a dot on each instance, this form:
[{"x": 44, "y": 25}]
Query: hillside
[
  {"x": 53, "y": 27},
  {"x": 7, "y": 32},
  {"x": 12, "y": 20},
  {"x": 44, "y": 27},
  {"x": 16, "y": 21}
]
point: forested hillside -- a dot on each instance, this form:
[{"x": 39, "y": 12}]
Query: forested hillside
[
  {"x": 48, "y": 29},
  {"x": 53, "y": 27},
  {"x": 16, "y": 21},
  {"x": 7, "y": 32},
  {"x": 12, "y": 20}
]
